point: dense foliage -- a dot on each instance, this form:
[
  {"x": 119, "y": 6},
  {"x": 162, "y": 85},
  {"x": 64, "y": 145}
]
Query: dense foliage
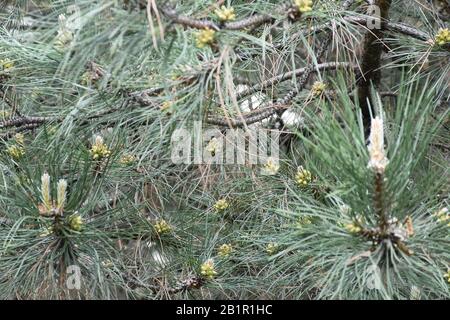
[{"x": 93, "y": 205}]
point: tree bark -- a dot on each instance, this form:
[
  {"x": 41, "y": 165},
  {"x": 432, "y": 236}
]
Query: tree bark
[{"x": 370, "y": 65}]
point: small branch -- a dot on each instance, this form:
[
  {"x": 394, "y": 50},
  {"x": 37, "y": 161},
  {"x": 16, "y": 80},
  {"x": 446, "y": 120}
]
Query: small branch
[
  {"x": 24, "y": 123},
  {"x": 248, "y": 118},
  {"x": 257, "y": 20},
  {"x": 361, "y": 20},
  {"x": 186, "y": 21},
  {"x": 392, "y": 26},
  {"x": 17, "y": 122},
  {"x": 379, "y": 204},
  {"x": 253, "y": 21},
  {"x": 289, "y": 75}
]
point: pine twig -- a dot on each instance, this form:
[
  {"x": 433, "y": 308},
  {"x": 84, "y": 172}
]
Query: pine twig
[{"x": 252, "y": 21}]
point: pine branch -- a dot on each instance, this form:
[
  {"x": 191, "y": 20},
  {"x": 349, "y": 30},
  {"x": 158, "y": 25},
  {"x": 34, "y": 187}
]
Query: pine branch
[
  {"x": 17, "y": 122},
  {"x": 282, "y": 103},
  {"x": 250, "y": 22},
  {"x": 289, "y": 75},
  {"x": 391, "y": 26}
]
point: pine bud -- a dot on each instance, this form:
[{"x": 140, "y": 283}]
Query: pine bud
[
  {"x": 99, "y": 149},
  {"x": 442, "y": 37},
  {"x": 378, "y": 160},
  {"x": 271, "y": 167},
  {"x": 225, "y": 14},
  {"x": 303, "y": 177},
  {"x": 76, "y": 222},
  {"x": 221, "y": 205},
  {"x": 304, "y": 5},
  {"x": 204, "y": 37},
  {"x": 62, "y": 186},
  {"x": 208, "y": 270},
  {"x": 45, "y": 191},
  {"x": 225, "y": 250}
]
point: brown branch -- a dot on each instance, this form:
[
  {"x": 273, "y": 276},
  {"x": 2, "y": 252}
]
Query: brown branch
[
  {"x": 186, "y": 21},
  {"x": 391, "y": 26},
  {"x": 361, "y": 20},
  {"x": 17, "y": 122},
  {"x": 26, "y": 127},
  {"x": 24, "y": 123},
  {"x": 252, "y": 21},
  {"x": 370, "y": 64},
  {"x": 248, "y": 118},
  {"x": 289, "y": 75},
  {"x": 379, "y": 204}
]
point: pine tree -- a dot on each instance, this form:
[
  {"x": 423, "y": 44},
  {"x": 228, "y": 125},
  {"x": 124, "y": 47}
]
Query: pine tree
[{"x": 353, "y": 205}]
